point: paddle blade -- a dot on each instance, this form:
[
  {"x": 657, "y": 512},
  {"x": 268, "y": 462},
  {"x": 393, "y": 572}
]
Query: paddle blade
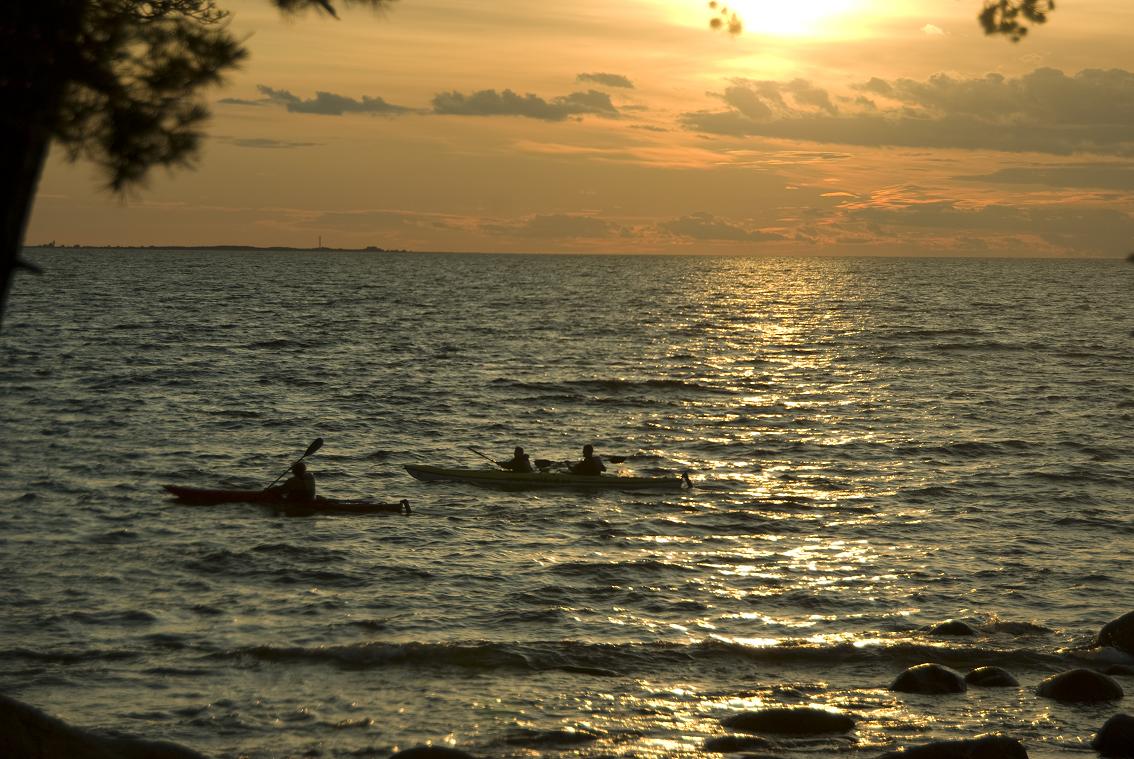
[{"x": 316, "y": 444}]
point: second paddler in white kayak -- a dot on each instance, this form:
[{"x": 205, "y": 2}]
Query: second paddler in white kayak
[
  {"x": 517, "y": 472},
  {"x": 591, "y": 465}
]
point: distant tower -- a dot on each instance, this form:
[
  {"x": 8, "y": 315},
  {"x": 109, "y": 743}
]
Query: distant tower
[{"x": 320, "y": 242}]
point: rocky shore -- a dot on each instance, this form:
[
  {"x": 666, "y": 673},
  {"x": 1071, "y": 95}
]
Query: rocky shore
[{"x": 28, "y": 733}]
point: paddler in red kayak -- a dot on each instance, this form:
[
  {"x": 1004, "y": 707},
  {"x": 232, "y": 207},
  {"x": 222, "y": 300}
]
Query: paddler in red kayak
[
  {"x": 520, "y": 462},
  {"x": 591, "y": 465},
  {"x": 300, "y": 486}
]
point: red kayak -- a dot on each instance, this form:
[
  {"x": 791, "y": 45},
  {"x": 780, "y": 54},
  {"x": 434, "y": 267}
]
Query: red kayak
[{"x": 205, "y": 497}]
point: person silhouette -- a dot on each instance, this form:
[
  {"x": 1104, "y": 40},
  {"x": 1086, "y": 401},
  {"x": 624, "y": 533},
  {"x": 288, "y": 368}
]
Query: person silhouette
[
  {"x": 591, "y": 465},
  {"x": 520, "y": 462}
]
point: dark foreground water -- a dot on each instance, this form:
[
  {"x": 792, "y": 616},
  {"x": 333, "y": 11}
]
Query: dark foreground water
[{"x": 883, "y": 445}]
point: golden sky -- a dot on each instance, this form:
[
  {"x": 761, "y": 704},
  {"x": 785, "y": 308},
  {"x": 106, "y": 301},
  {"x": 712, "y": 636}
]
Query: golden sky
[{"x": 825, "y": 127}]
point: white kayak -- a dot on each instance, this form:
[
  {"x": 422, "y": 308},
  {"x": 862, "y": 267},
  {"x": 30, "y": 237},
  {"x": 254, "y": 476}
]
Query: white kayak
[{"x": 500, "y": 477}]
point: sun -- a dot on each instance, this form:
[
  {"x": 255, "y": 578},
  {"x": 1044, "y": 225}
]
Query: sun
[{"x": 792, "y": 18}]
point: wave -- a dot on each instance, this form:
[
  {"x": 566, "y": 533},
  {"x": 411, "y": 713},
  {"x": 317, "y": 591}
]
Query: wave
[
  {"x": 642, "y": 659},
  {"x": 1080, "y": 474},
  {"x": 947, "y": 332},
  {"x": 604, "y": 568},
  {"x": 968, "y": 449},
  {"x": 277, "y": 343},
  {"x": 116, "y": 618},
  {"x": 277, "y": 565},
  {"x": 521, "y": 736},
  {"x": 612, "y": 386},
  {"x": 1110, "y": 525},
  {"x": 74, "y": 656},
  {"x": 988, "y": 346}
]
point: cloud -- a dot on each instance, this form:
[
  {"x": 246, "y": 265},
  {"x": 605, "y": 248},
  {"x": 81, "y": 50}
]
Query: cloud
[
  {"x": 806, "y": 94},
  {"x": 763, "y": 100},
  {"x": 241, "y": 101},
  {"x": 508, "y": 103},
  {"x": 481, "y": 103},
  {"x": 557, "y": 226},
  {"x": 330, "y": 104},
  {"x": 1082, "y": 228},
  {"x": 609, "y": 80},
  {"x": 384, "y": 219},
  {"x": 1108, "y": 176},
  {"x": 1045, "y": 111},
  {"x": 933, "y": 30},
  {"x": 705, "y": 226},
  {"x": 266, "y": 142}
]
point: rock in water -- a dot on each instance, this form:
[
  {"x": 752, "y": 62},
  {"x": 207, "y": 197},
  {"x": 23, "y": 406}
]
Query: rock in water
[
  {"x": 981, "y": 747},
  {"x": 1116, "y": 737},
  {"x": 952, "y": 627},
  {"x": 432, "y": 752},
  {"x": 1080, "y": 686},
  {"x": 732, "y": 744},
  {"x": 929, "y": 679},
  {"x": 991, "y": 677},
  {"x": 1118, "y": 633},
  {"x": 26, "y": 732},
  {"x": 801, "y": 720}
]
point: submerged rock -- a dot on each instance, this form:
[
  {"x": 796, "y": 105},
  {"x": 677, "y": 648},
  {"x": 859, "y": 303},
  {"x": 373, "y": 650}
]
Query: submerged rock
[
  {"x": 991, "y": 677},
  {"x": 432, "y": 752},
  {"x": 1019, "y": 628},
  {"x": 1116, "y": 737},
  {"x": 981, "y": 747},
  {"x": 1080, "y": 686},
  {"x": 929, "y": 679},
  {"x": 565, "y": 737},
  {"x": 1118, "y": 633},
  {"x": 802, "y": 720},
  {"x": 953, "y": 627},
  {"x": 27, "y": 732},
  {"x": 731, "y": 744}
]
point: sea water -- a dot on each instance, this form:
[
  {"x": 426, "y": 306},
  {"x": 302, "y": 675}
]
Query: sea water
[{"x": 878, "y": 445}]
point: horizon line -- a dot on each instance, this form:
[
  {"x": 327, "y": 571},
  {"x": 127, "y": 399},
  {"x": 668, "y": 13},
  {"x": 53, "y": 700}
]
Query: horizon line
[{"x": 376, "y": 249}]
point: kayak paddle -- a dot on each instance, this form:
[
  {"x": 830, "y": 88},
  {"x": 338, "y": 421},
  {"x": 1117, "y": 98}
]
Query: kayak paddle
[
  {"x": 484, "y": 456},
  {"x": 316, "y": 444},
  {"x": 545, "y": 463}
]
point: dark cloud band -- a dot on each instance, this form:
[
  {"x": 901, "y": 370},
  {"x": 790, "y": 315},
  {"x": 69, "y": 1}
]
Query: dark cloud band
[
  {"x": 607, "y": 80},
  {"x": 1045, "y": 111},
  {"x": 509, "y": 103},
  {"x": 330, "y": 104}
]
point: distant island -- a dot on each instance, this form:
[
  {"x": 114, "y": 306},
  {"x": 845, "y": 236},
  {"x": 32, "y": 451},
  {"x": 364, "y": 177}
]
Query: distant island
[
  {"x": 367, "y": 249},
  {"x": 320, "y": 248}
]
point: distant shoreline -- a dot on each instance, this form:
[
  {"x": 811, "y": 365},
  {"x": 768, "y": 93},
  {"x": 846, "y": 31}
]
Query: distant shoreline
[
  {"x": 376, "y": 249},
  {"x": 367, "y": 249}
]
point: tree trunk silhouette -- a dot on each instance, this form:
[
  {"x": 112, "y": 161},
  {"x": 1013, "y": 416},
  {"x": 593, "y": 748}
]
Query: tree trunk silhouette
[{"x": 38, "y": 39}]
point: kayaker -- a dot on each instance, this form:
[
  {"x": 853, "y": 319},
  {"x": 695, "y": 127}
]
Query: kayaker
[
  {"x": 591, "y": 465},
  {"x": 300, "y": 486},
  {"x": 520, "y": 462}
]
